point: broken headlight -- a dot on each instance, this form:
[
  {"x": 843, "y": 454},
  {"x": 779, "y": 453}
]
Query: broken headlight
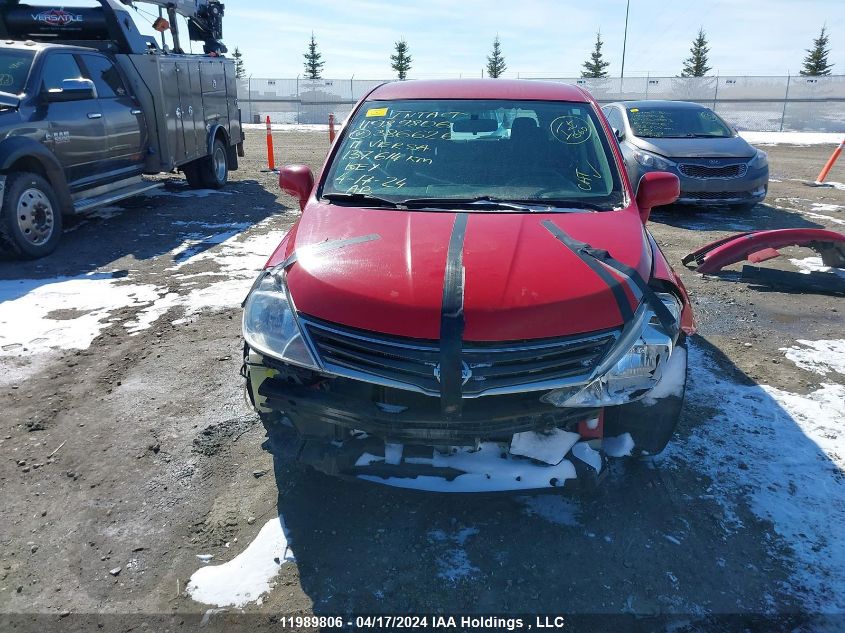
[
  {"x": 269, "y": 322},
  {"x": 633, "y": 367}
]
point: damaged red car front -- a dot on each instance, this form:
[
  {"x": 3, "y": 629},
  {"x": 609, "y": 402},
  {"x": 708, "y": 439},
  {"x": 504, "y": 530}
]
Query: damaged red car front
[{"x": 470, "y": 300}]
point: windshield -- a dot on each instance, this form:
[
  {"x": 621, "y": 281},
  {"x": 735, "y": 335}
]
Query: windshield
[
  {"x": 669, "y": 122},
  {"x": 548, "y": 152},
  {"x": 14, "y": 69}
]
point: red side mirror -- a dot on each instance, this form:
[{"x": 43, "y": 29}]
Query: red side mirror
[
  {"x": 656, "y": 188},
  {"x": 297, "y": 181}
]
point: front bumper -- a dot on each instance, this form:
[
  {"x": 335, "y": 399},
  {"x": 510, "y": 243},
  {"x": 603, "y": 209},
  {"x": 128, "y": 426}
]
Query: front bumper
[
  {"x": 750, "y": 188},
  {"x": 356, "y": 429}
]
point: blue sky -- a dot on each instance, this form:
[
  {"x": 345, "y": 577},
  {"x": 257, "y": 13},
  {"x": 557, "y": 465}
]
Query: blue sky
[{"x": 539, "y": 37}]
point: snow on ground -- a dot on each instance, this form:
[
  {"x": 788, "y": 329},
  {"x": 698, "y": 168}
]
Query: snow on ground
[
  {"x": 293, "y": 127},
  {"x": 783, "y": 452},
  {"x": 793, "y": 138},
  {"x": 454, "y": 564},
  {"x": 811, "y": 264},
  {"x": 64, "y": 312},
  {"x": 552, "y": 508},
  {"x": 37, "y": 315},
  {"x": 820, "y": 357},
  {"x": 249, "y": 575}
]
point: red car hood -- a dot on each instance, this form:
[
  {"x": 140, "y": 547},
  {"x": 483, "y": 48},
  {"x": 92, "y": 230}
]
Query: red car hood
[{"x": 520, "y": 282}]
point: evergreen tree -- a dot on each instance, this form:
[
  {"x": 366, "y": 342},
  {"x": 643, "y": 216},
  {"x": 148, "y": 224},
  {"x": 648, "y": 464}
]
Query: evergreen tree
[
  {"x": 240, "y": 71},
  {"x": 696, "y": 64},
  {"x": 313, "y": 63},
  {"x": 815, "y": 63},
  {"x": 496, "y": 61},
  {"x": 595, "y": 66},
  {"x": 400, "y": 61}
]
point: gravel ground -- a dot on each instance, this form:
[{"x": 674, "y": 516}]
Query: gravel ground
[{"x": 126, "y": 459}]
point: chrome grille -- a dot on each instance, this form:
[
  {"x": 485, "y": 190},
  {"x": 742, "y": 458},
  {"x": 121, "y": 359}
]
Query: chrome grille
[
  {"x": 408, "y": 363},
  {"x": 736, "y": 170}
]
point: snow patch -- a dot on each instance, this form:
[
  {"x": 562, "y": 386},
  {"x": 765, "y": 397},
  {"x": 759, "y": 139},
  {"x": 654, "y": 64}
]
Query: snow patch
[
  {"x": 785, "y": 455},
  {"x": 246, "y": 577},
  {"x": 29, "y": 322},
  {"x": 490, "y": 468},
  {"x": 619, "y": 446},
  {"x": 820, "y": 357},
  {"x": 454, "y": 564},
  {"x": 672, "y": 381},
  {"x": 552, "y": 508},
  {"x": 548, "y": 447},
  {"x": 792, "y": 138}
]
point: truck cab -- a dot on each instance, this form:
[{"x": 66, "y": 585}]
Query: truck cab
[{"x": 84, "y": 114}]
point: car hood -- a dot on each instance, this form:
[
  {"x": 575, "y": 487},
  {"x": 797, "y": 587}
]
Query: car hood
[
  {"x": 520, "y": 282},
  {"x": 697, "y": 147}
]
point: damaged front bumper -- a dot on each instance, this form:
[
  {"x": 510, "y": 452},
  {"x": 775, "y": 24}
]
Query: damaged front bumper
[{"x": 510, "y": 442}]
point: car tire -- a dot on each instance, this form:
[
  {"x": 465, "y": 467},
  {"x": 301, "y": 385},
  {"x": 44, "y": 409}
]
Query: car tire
[{"x": 30, "y": 217}]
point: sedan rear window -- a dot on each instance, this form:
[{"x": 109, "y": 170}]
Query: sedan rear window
[
  {"x": 460, "y": 149},
  {"x": 668, "y": 122}
]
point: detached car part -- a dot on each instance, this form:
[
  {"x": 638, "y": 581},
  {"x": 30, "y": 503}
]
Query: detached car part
[{"x": 759, "y": 246}]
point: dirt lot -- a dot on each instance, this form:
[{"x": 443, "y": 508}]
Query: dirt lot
[{"x": 126, "y": 458}]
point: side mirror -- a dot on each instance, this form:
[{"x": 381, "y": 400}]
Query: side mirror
[
  {"x": 297, "y": 181},
  {"x": 73, "y": 90},
  {"x": 619, "y": 134},
  {"x": 656, "y": 188}
]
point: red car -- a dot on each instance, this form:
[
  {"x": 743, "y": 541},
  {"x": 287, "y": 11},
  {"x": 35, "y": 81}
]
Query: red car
[{"x": 470, "y": 300}]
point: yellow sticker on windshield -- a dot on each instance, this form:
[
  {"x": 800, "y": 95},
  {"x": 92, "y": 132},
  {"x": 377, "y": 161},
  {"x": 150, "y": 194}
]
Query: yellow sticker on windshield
[
  {"x": 377, "y": 112},
  {"x": 634, "y": 110}
]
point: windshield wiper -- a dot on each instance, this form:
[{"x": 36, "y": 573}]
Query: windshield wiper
[
  {"x": 360, "y": 197},
  {"x": 479, "y": 201},
  {"x": 564, "y": 203}
]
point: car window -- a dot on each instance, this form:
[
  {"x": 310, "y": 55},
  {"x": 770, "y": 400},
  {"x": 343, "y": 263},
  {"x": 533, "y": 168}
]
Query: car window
[
  {"x": 57, "y": 68},
  {"x": 105, "y": 76},
  {"x": 516, "y": 150},
  {"x": 614, "y": 117},
  {"x": 676, "y": 122},
  {"x": 14, "y": 69}
]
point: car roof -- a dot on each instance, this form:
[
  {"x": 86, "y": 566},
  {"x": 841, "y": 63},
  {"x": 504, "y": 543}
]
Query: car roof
[
  {"x": 523, "y": 89},
  {"x": 660, "y": 103}
]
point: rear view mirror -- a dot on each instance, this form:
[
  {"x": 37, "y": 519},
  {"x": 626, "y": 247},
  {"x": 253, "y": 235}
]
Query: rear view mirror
[
  {"x": 297, "y": 181},
  {"x": 72, "y": 90},
  {"x": 619, "y": 134},
  {"x": 475, "y": 126},
  {"x": 656, "y": 188}
]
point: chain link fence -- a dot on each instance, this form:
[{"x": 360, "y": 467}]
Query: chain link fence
[{"x": 788, "y": 103}]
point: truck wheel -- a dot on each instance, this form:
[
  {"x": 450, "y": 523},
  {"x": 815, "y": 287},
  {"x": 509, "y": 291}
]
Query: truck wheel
[
  {"x": 30, "y": 217},
  {"x": 215, "y": 168}
]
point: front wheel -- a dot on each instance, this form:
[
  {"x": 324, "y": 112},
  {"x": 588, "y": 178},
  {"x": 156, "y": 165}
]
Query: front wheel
[{"x": 30, "y": 217}]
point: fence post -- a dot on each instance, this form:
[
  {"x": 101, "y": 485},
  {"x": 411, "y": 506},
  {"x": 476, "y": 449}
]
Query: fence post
[
  {"x": 785, "y": 97},
  {"x": 716, "y": 92}
]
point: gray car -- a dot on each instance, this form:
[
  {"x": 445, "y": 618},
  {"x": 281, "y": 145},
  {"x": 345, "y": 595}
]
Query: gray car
[{"x": 715, "y": 166}]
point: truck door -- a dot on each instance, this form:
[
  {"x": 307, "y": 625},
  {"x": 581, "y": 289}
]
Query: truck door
[
  {"x": 76, "y": 132},
  {"x": 125, "y": 127}
]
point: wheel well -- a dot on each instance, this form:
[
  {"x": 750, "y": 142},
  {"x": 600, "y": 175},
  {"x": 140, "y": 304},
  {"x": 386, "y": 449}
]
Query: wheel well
[
  {"x": 30, "y": 164},
  {"x": 221, "y": 134}
]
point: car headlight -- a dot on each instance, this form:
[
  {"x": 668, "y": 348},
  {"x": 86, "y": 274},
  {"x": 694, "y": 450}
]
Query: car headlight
[
  {"x": 269, "y": 322},
  {"x": 761, "y": 159},
  {"x": 633, "y": 367},
  {"x": 652, "y": 161}
]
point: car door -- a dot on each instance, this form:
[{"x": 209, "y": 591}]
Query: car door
[
  {"x": 125, "y": 127},
  {"x": 76, "y": 134}
]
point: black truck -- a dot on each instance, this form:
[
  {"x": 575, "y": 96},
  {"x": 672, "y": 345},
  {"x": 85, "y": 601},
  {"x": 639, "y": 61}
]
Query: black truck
[{"x": 88, "y": 105}]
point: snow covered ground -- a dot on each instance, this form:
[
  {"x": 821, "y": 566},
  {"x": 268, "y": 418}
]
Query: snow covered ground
[{"x": 793, "y": 138}]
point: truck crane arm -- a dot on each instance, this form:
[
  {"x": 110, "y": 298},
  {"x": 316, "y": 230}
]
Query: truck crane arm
[{"x": 205, "y": 21}]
